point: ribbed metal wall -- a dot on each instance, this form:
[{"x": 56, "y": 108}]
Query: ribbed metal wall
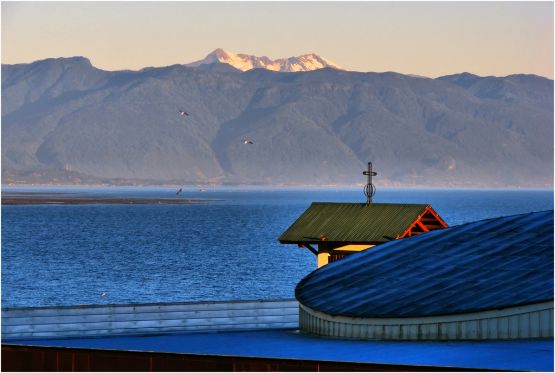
[
  {"x": 531, "y": 321},
  {"x": 92, "y": 321}
]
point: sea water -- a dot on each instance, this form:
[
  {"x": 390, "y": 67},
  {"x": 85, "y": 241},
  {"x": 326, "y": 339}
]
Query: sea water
[{"x": 223, "y": 249}]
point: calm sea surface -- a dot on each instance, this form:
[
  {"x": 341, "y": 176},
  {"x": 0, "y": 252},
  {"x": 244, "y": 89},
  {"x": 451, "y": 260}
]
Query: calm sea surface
[{"x": 222, "y": 250}]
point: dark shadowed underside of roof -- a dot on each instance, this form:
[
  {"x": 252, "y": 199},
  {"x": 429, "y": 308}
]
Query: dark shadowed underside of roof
[
  {"x": 352, "y": 222},
  {"x": 494, "y": 263}
]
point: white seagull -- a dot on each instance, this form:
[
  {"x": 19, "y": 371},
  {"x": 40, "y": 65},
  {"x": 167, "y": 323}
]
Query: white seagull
[
  {"x": 183, "y": 113},
  {"x": 246, "y": 141}
]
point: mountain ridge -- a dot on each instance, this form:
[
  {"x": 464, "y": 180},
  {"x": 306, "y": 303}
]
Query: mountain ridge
[
  {"x": 87, "y": 61},
  {"x": 64, "y": 119}
]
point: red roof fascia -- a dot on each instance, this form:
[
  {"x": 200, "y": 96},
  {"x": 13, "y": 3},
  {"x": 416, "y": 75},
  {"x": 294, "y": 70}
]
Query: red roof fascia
[{"x": 417, "y": 221}]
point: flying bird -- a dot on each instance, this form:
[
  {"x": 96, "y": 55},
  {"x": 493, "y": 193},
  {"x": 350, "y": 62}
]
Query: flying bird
[
  {"x": 183, "y": 113},
  {"x": 246, "y": 141},
  {"x": 179, "y": 191},
  {"x": 103, "y": 294}
]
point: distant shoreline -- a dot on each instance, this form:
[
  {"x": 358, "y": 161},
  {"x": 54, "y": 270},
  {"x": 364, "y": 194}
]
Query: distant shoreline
[
  {"x": 61, "y": 199},
  {"x": 217, "y": 187}
]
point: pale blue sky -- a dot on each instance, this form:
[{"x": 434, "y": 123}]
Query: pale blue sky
[{"x": 426, "y": 38}]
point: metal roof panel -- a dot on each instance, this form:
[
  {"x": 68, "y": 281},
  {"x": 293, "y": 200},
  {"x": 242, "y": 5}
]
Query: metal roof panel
[{"x": 352, "y": 222}]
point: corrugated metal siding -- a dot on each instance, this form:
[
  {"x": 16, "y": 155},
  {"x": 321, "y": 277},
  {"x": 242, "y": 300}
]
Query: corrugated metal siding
[
  {"x": 494, "y": 263},
  {"x": 352, "y": 222},
  {"x": 526, "y": 322},
  {"x": 91, "y": 321}
]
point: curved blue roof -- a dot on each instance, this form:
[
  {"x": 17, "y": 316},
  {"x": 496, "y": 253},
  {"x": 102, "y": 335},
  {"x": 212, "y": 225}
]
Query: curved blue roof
[{"x": 488, "y": 264}]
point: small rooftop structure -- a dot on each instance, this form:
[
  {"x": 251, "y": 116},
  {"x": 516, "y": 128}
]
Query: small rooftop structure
[
  {"x": 343, "y": 228},
  {"x": 486, "y": 280},
  {"x": 340, "y": 229}
]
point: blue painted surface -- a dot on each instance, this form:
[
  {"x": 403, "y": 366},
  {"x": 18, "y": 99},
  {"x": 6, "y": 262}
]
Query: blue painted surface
[
  {"x": 509, "y": 355},
  {"x": 488, "y": 264}
]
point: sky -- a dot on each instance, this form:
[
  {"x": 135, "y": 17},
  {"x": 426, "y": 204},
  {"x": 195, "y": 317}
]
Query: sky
[{"x": 423, "y": 38}]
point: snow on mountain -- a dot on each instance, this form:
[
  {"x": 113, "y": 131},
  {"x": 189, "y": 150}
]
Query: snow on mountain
[{"x": 244, "y": 62}]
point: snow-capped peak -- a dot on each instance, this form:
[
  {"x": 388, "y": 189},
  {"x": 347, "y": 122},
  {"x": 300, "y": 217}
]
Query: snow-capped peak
[{"x": 244, "y": 62}]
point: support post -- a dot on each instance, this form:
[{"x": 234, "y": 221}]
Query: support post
[{"x": 312, "y": 250}]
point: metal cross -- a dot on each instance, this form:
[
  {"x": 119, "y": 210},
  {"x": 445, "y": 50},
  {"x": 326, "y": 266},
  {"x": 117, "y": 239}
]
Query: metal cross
[{"x": 369, "y": 189}]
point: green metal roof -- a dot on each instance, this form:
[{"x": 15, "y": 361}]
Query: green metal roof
[{"x": 352, "y": 222}]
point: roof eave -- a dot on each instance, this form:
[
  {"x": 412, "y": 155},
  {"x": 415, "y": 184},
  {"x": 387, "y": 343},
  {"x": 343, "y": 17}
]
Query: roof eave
[{"x": 333, "y": 242}]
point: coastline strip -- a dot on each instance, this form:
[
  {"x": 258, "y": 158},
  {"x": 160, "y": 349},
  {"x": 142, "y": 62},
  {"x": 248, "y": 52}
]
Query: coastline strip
[{"x": 26, "y": 199}]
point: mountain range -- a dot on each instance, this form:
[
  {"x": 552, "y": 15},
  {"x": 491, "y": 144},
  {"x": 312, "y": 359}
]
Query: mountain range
[{"x": 66, "y": 121}]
